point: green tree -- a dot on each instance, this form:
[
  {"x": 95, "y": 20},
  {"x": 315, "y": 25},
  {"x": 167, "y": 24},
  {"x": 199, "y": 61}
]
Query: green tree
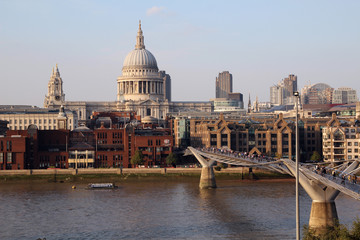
[
  {"x": 336, "y": 232},
  {"x": 171, "y": 159},
  {"x": 137, "y": 158},
  {"x": 355, "y": 230},
  {"x": 315, "y": 157}
]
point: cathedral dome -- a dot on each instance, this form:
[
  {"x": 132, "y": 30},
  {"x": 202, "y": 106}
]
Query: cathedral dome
[{"x": 140, "y": 58}]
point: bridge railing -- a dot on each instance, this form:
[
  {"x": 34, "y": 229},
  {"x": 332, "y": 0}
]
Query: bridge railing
[
  {"x": 239, "y": 155},
  {"x": 329, "y": 173},
  {"x": 255, "y": 161}
]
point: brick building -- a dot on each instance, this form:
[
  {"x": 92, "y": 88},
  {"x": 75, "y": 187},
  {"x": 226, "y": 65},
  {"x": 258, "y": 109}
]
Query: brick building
[{"x": 83, "y": 147}]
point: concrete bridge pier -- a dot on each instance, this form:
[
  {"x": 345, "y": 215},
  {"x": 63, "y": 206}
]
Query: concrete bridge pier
[
  {"x": 323, "y": 209},
  {"x": 207, "y": 178},
  {"x": 322, "y": 214}
]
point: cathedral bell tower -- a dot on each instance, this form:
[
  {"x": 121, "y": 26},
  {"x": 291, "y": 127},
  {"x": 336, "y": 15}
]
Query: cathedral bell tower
[{"x": 55, "y": 94}]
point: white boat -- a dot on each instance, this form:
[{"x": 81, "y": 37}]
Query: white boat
[{"x": 101, "y": 186}]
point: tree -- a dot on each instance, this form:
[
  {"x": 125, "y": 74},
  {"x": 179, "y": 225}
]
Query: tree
[
  {"x": 315, "y": 157},
  {"x": 137, "y": 158},
  {"x": 171, "y": 159}
]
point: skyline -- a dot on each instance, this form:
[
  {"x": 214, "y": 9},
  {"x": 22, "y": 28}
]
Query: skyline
[{"x": 258, "y": 43}]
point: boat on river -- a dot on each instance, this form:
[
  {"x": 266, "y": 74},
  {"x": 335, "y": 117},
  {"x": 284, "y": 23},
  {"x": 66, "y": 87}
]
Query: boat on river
[{"x": 101, "y": 186}]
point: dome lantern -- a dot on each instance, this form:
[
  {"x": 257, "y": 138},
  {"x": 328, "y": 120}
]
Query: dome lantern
[{"x": 140, "y": 38}]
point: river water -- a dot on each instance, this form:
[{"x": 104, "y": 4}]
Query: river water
[{"x": 157, "y": 209}]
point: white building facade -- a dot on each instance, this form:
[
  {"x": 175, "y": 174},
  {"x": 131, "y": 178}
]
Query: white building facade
[
  {"x": 44, "y": 119},
  {"x": 344, "y": 95}
]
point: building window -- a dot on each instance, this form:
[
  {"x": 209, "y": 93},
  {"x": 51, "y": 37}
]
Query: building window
[
  {"x": 356, "y": 144},
  {"x": 8, "y": 146},
  {"x": 35, "y": 121},
  {"x": 20, "y": 121},
  {"x": 9, "y": 157},
  {"x": 25, "y": 121},
  {"x": 39, "y": 121},
  {"x": 349, "y": 143},
  {"x": 15, "y": 121},
  {"x": 1, "y": 157},
  {"x": 44, "y": 121}
]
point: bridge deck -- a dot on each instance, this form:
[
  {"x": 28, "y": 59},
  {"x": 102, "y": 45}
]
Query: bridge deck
[{"x": 344, "y": 186}]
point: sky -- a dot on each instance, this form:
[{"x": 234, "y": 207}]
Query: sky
[{"x": 258, "y": 42}]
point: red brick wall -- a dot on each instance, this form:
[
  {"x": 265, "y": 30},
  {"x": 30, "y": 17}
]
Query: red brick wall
[{"x": 16, "y": 146}]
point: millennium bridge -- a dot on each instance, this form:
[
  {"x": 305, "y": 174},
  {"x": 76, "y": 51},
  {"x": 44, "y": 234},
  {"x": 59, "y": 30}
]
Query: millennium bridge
[{"x": 322, "y": 187}]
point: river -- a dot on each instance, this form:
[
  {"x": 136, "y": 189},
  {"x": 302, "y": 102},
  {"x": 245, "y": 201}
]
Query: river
[{"x": 157, "y": 209}]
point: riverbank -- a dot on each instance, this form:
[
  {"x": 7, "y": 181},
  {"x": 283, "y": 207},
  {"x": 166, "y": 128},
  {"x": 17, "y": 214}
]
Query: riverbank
[{"x": 130, "y": 174}]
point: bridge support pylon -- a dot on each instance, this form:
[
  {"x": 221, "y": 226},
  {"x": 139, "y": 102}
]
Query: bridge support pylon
[
  {"x": 322, "y": 214},
  {"x": 207, "y": 178},
  {"x": 323, "y": 209}
]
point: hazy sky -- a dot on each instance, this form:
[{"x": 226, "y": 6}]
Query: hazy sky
[{"x": 259, "y": 42}]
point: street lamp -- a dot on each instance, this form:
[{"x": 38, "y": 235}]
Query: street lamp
[{"x": 296, "y": 95}]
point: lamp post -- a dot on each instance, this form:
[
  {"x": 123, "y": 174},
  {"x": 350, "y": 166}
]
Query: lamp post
[{"x": 296, "y": 94}]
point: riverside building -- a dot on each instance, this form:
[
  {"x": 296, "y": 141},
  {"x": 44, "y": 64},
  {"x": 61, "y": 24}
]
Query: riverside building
[
  {"x": 83, "y": 147},
  {"x": 263, "y": 135},
  {"x": 341, "y": 139}
]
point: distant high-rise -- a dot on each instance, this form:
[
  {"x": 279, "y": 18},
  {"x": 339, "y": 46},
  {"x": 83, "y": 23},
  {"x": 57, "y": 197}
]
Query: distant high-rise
[
  {"x": 282, "y": 93},
  {"x": 344, "y": 95},
  {"x": 224, "y": 85},
  {"x": 290, "y": 86},
  {"x": 276, "y": 95}
]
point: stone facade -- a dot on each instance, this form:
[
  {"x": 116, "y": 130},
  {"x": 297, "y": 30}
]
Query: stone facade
[
  {"x": 43, "y": 119},
  {"x": 273, "y": 136},
  {"x": 341, "y": 139}
]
